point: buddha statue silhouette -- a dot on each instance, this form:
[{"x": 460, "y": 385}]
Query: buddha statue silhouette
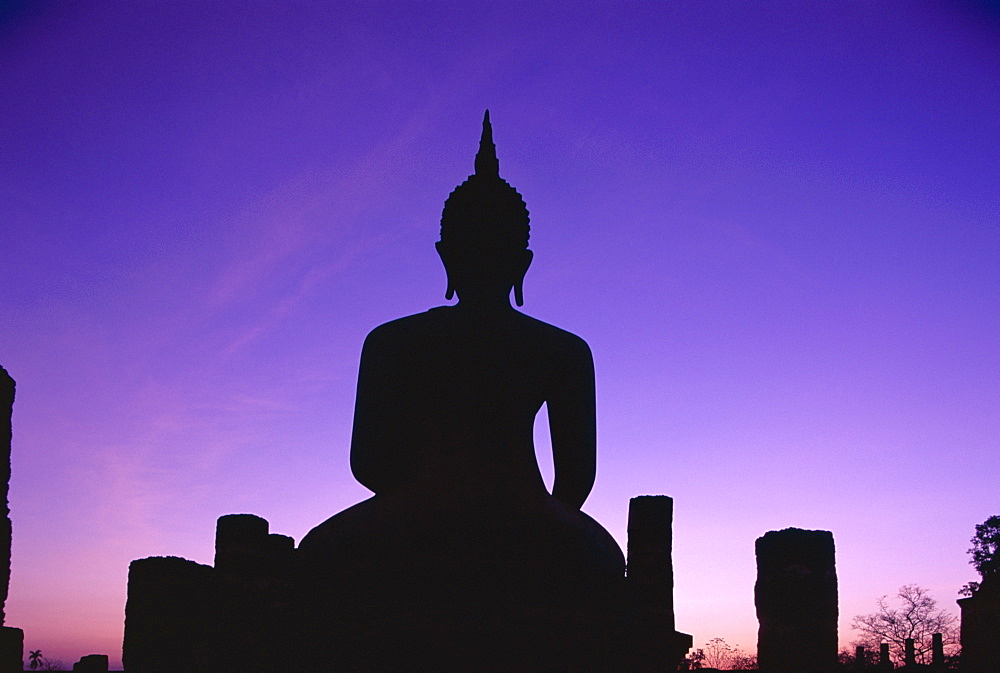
[{"x": 461, "y": 523}]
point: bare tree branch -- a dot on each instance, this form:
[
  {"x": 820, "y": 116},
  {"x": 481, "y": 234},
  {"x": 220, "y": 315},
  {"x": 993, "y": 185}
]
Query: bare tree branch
[{"x": 917, "y": 617}]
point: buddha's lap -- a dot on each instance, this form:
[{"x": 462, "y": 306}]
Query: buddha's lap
[{"x": 535, "y": 542}]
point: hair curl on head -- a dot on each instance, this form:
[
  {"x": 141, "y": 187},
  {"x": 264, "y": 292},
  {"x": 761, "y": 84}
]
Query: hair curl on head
[{"x": 485, "y": 215}]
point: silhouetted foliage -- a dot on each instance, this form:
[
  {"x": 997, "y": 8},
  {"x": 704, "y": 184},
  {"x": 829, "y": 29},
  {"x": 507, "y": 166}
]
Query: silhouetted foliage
[
  {"x": 985, "y": 550},
  {"x": 694, "y": 661},
  {"x": 968, "y": 589},
  {"x": 34, "y": 659},
  {"x": 911, "y": 613},
  {"x": 718, "y": 654}
]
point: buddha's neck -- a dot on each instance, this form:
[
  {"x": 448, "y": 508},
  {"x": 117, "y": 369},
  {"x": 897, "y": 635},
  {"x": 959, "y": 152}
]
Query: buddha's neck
[{"x": 486, "y": 302}]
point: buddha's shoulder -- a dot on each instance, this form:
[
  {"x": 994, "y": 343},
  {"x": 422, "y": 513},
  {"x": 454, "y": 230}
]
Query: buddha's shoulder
[
  {"x": 432, "y": 324},
  {"x": 407, "y": 327},
  {"x": 552, "y": 336}
]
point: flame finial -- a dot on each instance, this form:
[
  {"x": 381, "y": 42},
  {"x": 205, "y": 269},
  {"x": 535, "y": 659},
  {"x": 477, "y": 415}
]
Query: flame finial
[{"x": 487, "y": 164}]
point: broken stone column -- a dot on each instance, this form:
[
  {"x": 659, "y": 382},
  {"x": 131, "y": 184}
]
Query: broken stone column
[
  {"x": 11, "y": 639},
  {"x": 884, "y": 661},
  {"x": 937, "y": 651},
  {"x": 172, "y": 621},
  {"x": 6, "y": 434},
  {"x": 239, "y": 543},
  {"x": 254, "y": 580},
  {"x": 910, "y": 659},
  {"x": 650, "y": 564},
  {"x": 796, "y": 599},
  {"x": 11, "y": 649},
  {"x": 92, "y": 663},
  {"x": 655, "y": 645},
  {"x": 245, "y": 551}
]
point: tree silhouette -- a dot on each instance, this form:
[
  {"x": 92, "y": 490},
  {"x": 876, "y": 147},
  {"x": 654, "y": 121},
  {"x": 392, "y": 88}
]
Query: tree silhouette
[
  {"x": 35, "y": 657},
  {"x": 985, "y": 549},
  {"x": 719, "y": 654},
  {"x": 917, "y": 616},
  {"x": 985, "y": 553}
]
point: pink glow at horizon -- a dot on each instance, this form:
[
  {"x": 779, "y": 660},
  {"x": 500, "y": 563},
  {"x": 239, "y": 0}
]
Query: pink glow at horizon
[{"x": 775, "y": 223}]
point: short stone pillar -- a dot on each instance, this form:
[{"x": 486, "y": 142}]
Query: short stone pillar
[
  {"x": 246, "y": 552},
  {"x": 910, "y": 647},
  {"x": 11, "y": 649},
  {"x": 859, "y": 658},
  {"x": 171, "y": 616},
  {"x": 937, "y": 651},
  {"x": 796, "y": 599},
  {"x": 92, "y": 663},
  {"x": 239, "y": 543},
  {"x": 884, "y": 660}
]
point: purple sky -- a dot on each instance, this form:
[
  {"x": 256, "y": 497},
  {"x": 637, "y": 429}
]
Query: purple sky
[{"x": 775, "y": 223}]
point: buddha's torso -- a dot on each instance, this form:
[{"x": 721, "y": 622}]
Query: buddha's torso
[{"x": 461, "y": 392}]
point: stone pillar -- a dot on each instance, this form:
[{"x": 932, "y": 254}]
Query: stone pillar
[
  {"x": 240, "y": 541},
  {"x": 11, "y": 650},
  {"x": 92, "y": 663},
  {"x": 911, "y": 653},
  {"x": 650, "y": 563},
  {"x": 254, "y": 580},
  {"x": 171, "y": 617},
  {"x": 6, "y": 434},
  {"x": 11, "y": 639},
  {"x": 937, "y": 651},
  {"x": 796, "y": 599},
  {"x": 859, "y": 658},
  {"x": 884, "y": 660},
  {"x": 654, "y": 644}
]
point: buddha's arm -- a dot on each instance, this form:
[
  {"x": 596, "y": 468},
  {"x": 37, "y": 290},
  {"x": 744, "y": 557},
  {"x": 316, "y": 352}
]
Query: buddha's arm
[
  {"x": 573, "y": 426},
  {"x": 374, "y": 445}
]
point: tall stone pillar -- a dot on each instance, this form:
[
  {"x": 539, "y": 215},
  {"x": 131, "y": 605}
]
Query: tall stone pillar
[
  {"x": 655, "y": 645},
  {"x": 650, "y": 563},
  {"x": 11, "y": 639},
  {"x": 6, "y": 412},
  {"x": 796, "y": 598}
]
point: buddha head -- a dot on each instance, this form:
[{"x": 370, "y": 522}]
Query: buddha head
[{"x": 484, "y": 231}]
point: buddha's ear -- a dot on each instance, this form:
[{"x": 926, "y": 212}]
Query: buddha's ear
[
  {"x": 523, "y": 263},
  {"x": 443, "y": 254}
]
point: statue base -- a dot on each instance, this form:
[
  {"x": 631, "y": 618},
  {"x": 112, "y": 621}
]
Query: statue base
[{"x": 261, "y": 602}]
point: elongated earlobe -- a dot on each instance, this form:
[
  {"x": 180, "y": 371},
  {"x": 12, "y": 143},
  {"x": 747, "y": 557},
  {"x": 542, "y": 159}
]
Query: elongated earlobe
[
  {"x": 526, "y": 257},
  {"x": 450, "y": 292}
]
